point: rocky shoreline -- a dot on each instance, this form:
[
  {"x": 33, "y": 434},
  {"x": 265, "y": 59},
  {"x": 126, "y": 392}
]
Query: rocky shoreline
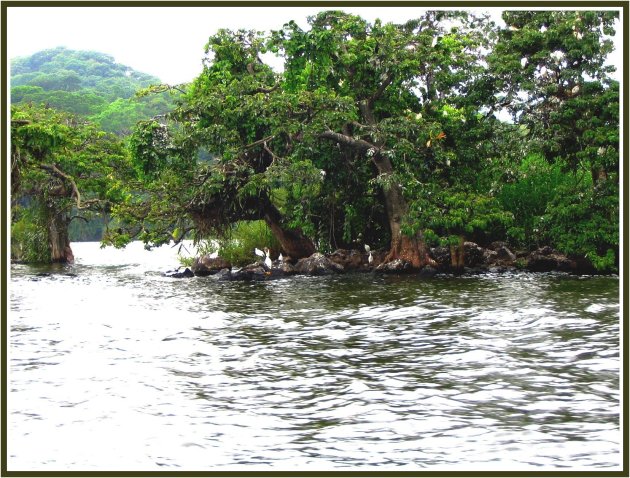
[{"x": 496, "y": 258}]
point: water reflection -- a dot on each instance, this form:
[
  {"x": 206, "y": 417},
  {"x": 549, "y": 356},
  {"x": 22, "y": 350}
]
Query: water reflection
[{"x": 346, "y": 372}]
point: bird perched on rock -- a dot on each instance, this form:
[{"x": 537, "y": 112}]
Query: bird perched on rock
[{"x": 265, "y": 255}]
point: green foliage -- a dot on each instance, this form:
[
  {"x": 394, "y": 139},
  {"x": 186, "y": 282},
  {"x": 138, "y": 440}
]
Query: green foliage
[
  {"x": 70, "y": 70},
  {"x": 528, "y": 196},
  {"x": 449, "y": 214},
  {"x": 374, "y": 125},
  {"x": 238, "y": 245},
  {"x": 86, "y": 83},
  {"x": 583, "y": 222},
  {"x": 29, "y": 237},
  {"x": 61, "y": 164}
]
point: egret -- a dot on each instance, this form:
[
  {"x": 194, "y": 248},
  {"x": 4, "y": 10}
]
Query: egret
[
  {"x": 370, "y": 258},
  {"x": 265, "y": 256}
]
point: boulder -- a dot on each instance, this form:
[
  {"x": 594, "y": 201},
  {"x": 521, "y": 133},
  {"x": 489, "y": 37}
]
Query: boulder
[
  {"x": 349, "y": 259},
  {"x": 224, "y": 275},
  {"x": 504, "y": 256},
  {"x": 546, "y": 259},
  {"x": 317, "y": 264},
  {"x": 584, "y": 266},
  {"x": 251, "y": 272},
  {"x": 282, "y": 268},
  {"x": 442, "y": 256},
  {"x": 179, "y": 275},
  {"x": 473, "y": 255},
  {"x": 396, "y": 266},
  {"x": 427, "y": 271},
  {"x": 206, "y": 265}
]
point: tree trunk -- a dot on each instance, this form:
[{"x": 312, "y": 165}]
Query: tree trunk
[
  {"x": 58, "y": 239},
  {"x": 294, "y": 243},
  {"x": 408, "y": 248},
  {"x": 457, "y": 255}
]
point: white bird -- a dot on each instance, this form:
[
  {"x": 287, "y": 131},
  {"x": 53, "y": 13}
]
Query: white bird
[
  {"x": 370, "y": 258},
  {"x": 264, "y": 255},
  {"x": 214, "y": 255},
  {"x": 280, "y": 258}
]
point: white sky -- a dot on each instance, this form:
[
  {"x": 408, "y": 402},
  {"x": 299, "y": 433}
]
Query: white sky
[{"x": 166, "y": 42}]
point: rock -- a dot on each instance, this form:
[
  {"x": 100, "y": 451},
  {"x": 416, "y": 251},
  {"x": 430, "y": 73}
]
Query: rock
[
  {"x": 394, "y": 267},
  {"x": 427, "y": 271},
  {"x": 282, "y": 268},
  {"x": 584, "y": 266},
  {"x": 546, "y": 259},
  {"x": 317, "y": 264},
  {"x": 179, "y": 275},
  {"x": 473, "y": 254},
  {"x": 252, "y": 272},
  {"x": 498, "y": 253},
  {"x": 490, "y": 257},
  {"x": 206, "y": 265},
  {"x": 442, "y": 256},
  {"x": 224, "y": 274},
  {"x": 348, "y": 259}
]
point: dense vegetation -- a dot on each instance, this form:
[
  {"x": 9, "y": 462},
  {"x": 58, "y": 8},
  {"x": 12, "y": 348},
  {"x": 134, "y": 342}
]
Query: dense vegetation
[
  {"x": 86, "y": 83},
  {"x": 388, "y": 135},
  {"x": 74, "y": 88}
]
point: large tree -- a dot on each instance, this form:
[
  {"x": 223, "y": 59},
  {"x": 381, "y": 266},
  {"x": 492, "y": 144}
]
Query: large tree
[
  {"x": 215, "y": 160},
  {"x": 552, "y": 70},
  {"x": 396, "y": 81},
  {"x": 64, "y": 168}
]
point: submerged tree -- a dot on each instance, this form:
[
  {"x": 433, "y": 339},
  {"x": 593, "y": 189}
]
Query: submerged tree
[{"x": 61, "y": 170}]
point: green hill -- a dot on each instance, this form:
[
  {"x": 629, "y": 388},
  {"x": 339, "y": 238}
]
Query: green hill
[{"x": 86, "y": 83}]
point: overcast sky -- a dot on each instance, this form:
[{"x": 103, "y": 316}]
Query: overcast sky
[{"x": 166, "y": 42}]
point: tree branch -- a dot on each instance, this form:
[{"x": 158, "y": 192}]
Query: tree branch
[
  {"x": 381, "y": 89},
  {"x": 259, "y": 142},
  {"x": 266, "y": 90},
  {"x": 360, "y": 144},
  {"x": 51, "y": 168}
]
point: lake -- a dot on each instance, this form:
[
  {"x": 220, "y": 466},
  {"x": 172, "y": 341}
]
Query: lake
[{"x": 114, "y": 367}]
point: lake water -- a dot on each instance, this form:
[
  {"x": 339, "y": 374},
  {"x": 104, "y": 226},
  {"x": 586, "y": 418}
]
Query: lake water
[{"x": 115, "y": 367}]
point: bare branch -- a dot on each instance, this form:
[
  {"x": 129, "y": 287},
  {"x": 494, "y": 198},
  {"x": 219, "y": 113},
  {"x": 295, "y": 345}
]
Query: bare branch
[
  {"x": 259, "y": 142},
  {"x": 266, "y": 90}
]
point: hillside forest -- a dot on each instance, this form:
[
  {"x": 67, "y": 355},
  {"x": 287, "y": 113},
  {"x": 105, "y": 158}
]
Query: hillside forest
[{"x": 441, "y": 130}]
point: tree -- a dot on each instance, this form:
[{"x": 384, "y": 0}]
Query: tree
[
  {"x": 59, "y": 166},
  {"x": 551, "y": 68},
  {"x": 394, "y": 79},
  {"x": 235, "y": 111}
]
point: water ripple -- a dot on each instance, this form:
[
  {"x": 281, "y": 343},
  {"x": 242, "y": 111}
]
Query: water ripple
[{"x": 362, "y": 372}]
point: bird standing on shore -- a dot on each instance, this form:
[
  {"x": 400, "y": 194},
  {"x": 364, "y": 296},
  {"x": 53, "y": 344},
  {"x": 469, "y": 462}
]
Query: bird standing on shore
[
  {"x": 370, "y": 258},
  {"x": 265, "y": 256}
]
